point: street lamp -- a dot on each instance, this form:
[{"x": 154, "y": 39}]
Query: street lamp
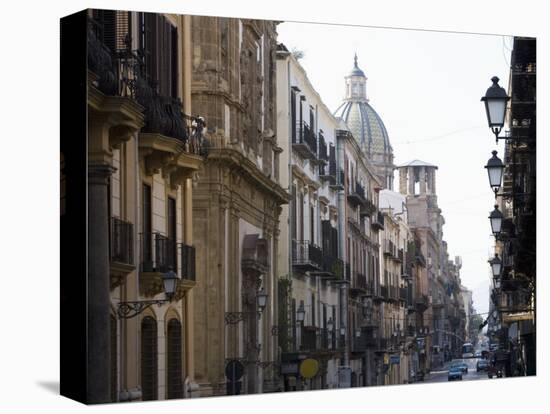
[
  {"x": 261, "y": 299},
  {"x": 358, "y": 333},
  {"x": 301, "y": 313},
  {"x": 127, "y": 310},
  {"x": 495, "y": 169},
  {"x": 496, "y": 266},
  {"x": 496, "y": 221},
  {"x": 169, "y": 279},
  {"x": 495, "y": 105},
  {"x": 342, "y": 330},
  {"x": 232, "y": 318}
]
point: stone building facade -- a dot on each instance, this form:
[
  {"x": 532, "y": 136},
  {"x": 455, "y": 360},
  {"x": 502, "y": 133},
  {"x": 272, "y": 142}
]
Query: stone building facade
[
  {"x": 142, "y": 158},
  {"x": 310, "y": 267},
  {"x": 237, "y": 203}
]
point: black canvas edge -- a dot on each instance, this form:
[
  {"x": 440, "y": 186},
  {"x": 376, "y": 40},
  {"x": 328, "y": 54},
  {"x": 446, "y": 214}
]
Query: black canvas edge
[{"x": 73, "y": 223}]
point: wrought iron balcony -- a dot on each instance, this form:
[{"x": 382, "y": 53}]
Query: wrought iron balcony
[
  {"x": 122, "y": 241},
  {"x": 306, "y": 256},
  {"x": 400, "y": 256},
  {"x": 101, "y": 60},
  {"x": 328, "y": 173},
  {"x": 304, "y": 141},
  {"x": 332, "y": 268},
  {"x": 378, "y": 221},
  {"x": 188, "y": 262},
  {"x": 384, "y": 292},
  {"x": 340, "y": 181},
  {"x": 158, "y": 253},
  {"x": 122, "y": 72},
  {"x": 368, "y": 208},
  {"x": 357, "y": 195},
  {"x": 323, "y": 150},
  {"x": 422, "y": 302},
  {"x": 359, "y": 284}
]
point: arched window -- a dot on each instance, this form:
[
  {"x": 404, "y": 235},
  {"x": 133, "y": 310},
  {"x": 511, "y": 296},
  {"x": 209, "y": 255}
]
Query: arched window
[
  {"x": 174, "y": 382},
  {"x": 149, "y": 359}
]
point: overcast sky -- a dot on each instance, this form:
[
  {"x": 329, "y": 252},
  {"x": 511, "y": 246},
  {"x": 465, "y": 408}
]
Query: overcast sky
[{"x": 426, "y": 86}]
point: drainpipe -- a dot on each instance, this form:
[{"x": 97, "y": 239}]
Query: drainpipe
[{"x": 341, "y": 247}]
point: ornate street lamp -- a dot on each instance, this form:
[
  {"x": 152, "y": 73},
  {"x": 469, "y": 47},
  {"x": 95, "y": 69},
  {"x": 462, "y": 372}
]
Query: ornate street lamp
[
  {"x": 261, "y": 299},
  {"x": 301, "y": 313},
  {"x": 496, "y": 221},
  {"x": 232, "y": 318},
  {"x": 495, "y": 169},
  {"x": 496, "y": 266},
  {"x": 169, "y": 280},
  {"x": 127, "y": 310},
  {"x": 495, "y": 105}
]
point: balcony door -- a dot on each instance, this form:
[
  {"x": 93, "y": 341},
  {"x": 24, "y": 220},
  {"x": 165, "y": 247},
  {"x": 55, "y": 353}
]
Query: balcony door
[
  {"x": 172, "y": 234},
  {"x": 146, "y": 235}
]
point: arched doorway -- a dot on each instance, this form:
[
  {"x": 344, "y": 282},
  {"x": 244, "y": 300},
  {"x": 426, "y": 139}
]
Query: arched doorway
[
  {"x": 174, "y": 382},
  {"x": 149, "y": 359}
]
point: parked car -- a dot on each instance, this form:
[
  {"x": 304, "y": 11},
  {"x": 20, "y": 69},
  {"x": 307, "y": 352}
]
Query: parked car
[
  {"x": 482, "y": 365},
  {"x": 477, "y": 354},
  {"x": 455, "y": 373}
]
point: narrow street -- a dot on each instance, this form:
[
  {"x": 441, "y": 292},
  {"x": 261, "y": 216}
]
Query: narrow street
[{"x": 440, "y": 375}]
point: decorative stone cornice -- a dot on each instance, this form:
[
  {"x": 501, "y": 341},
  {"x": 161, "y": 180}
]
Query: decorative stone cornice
[{"x": 246, "y": 168}]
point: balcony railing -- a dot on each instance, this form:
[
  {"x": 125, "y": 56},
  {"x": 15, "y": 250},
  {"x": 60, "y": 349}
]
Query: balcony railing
[
  {"x": 333, "y": 267},
  {"x": 328, "y": 173},
  {"x": 348, "y": 272},
  {"x": 306, "y": 255},
  {"x": 359, "y": 283},
  {"x": 378, "y": 221},
  {"x": 122, "y": 72},
  {"x": 357, "y": 195},
  {"x": 340, "y": 181},
  {"x": 304, "y": 141},
  {"x": 403, "y": 294},
  {"x": 384, "y": 292},
  {"x": 158, "y": 253},
  {"x": 323, "y": 150},
  {"x": 368, "y": 208},
  {"x": 122, "y": 241},
  {"x": 422, "y": 302},
  {"x": 188, "y": 262}
]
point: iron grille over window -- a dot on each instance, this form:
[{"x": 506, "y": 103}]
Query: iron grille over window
[
  {"x": 149, "y": 359},
  {"x": 174, "y": 385}
]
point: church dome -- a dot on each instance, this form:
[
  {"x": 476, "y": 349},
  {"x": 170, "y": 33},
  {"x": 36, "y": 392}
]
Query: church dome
[{"x": 366, "y": 125}]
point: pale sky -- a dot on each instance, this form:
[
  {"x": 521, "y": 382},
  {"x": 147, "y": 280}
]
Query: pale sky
[{"x": 426, "y": 86}]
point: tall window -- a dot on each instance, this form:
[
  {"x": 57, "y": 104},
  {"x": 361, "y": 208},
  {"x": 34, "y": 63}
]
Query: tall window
[
  {"x": 293, "y": 114},
  {"x": 172, "y": 234},
  {"x": 159, "y": 42},
  {"x": 312, "y": 224},
  {"x": 293, "y": 213},
  {"x": 147, "y": 238},
  {"x": 174, "y": 382},
  {"x": 149, "y": 359}
]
